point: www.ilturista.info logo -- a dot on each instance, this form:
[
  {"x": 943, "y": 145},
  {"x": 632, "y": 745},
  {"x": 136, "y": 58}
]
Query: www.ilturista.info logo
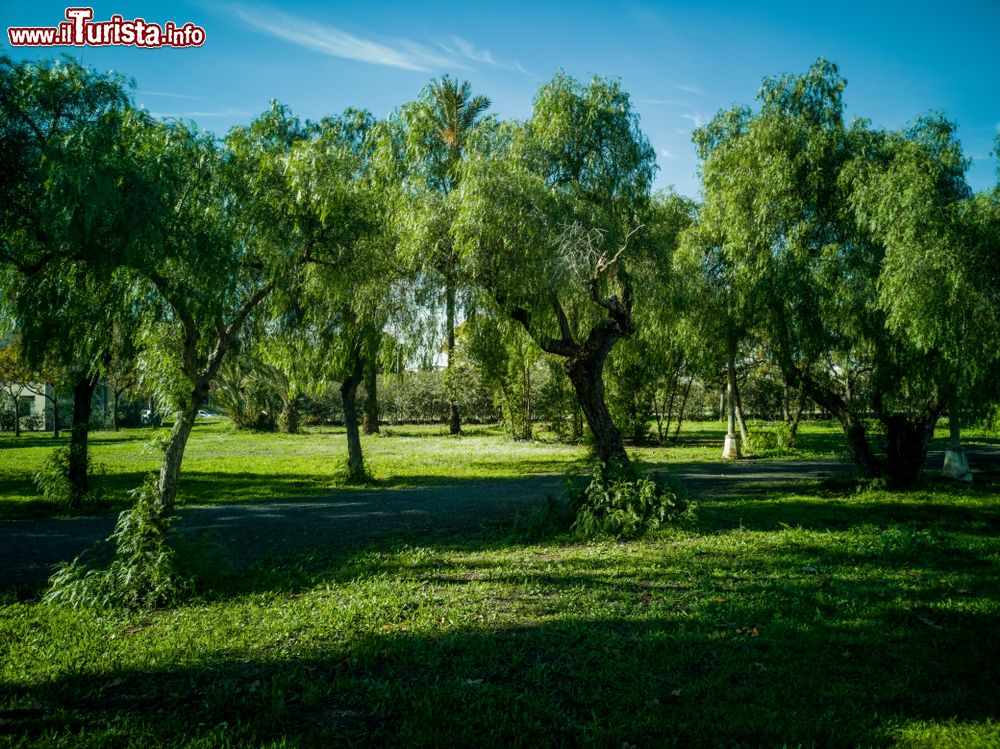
[{"x": 78, "y": 30}]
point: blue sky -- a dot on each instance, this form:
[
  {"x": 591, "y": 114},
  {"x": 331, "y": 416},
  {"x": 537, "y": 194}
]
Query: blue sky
[{"x": 681, "y": 62}]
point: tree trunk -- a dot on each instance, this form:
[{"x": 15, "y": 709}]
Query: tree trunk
[
  {"x": 348, "y": 392},
  {"x": 288, "y": 420},
  {"x": 680, "y": 413},
  {"x": 576, "y": 419},
  {"x": 454, "y": 420},
  {"x": 734, "y": 391},
  {"x": 83, "y": 393},
  {"x": 674, "y": 387},
  {"x": 907, "y": 449},
  {"x": 586, "y": 375},
  {"x": 114, "y": 409},
  {"x": 659, "y": 417},
  {"x": 170, "y": 469},
  {"x": 17, "y": 416},
  {"x": 956, "y": 463},
  {"x": 731, "y": 448},
  {"x": 793, "y": 427},
  {"x": 55, "y": 414},
  {"x": 370, "y": 425},
  {"x": 857, "y": 445}
]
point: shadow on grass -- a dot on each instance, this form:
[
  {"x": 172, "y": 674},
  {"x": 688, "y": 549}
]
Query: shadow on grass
[{"x": 692, "y": 664}]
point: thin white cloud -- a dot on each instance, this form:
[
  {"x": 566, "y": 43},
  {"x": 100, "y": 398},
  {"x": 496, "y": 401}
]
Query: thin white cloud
[
  {"x": 335, "y": 42},
  {"x": 696, "y": 119},
  {"x": 457, "y": 46},
  {"x": 190, "y": 114},
  {"x": 167, "y": 95},
  {"x": 664, "y": 102},
  {"x": 666, "y": 154},
  {"x": 687, "y": 88}
]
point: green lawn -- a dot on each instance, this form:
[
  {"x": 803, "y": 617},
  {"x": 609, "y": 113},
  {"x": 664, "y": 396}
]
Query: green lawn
[
  {"x": 812, "y": 617},
  {"x": 222, "y": 464}
]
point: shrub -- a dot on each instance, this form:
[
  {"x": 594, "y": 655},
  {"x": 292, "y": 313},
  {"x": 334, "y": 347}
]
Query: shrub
[
  {"x": 773, "y": 439},
  {"x": 619, "y": 503},
  {"x": 52, "y": 481},
  {"x": 143, "y": 573}
]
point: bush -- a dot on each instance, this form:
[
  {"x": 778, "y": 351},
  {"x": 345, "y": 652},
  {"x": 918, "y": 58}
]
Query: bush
[
  {"x": 619, "y": 503},
  {"x": 6, "y": 417},
  {"x": 52, "y": 481},
  {"x": 143, "y": 573},
  {"x": 773, "y": 439}
]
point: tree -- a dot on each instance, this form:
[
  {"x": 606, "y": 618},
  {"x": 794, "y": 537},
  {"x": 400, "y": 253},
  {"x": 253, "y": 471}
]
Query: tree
[
  {"x": 438, "y": 127},
  {"x": 14, "y": 377},
  {"x": 941, "y": 256},
  {"x": 341, "y": 196},
  {"x": 221, "y": 242},
  {"x": 555, "y": 218},
  {"x": 68, "y": 220},
  {"x": 794, "y": 189}
]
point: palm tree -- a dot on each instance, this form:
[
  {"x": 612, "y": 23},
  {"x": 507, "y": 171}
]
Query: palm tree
[{"x": 453, "y": 113}]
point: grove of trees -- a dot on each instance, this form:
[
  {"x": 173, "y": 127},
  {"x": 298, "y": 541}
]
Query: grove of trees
[{"x": 851, "y": 264}]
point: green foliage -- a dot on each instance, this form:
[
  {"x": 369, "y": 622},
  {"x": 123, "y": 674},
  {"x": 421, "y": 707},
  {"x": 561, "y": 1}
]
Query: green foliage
[
  {"x": 619, "y": 503},
  {"x": 53, "y": 485},
  {"x": 248, "y": 391},
  {"x": 143, "y": 573},
  {"x": 770, "y": 439}
]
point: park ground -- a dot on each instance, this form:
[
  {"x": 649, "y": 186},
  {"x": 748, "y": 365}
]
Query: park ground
[{"x": 798, "y": 609}]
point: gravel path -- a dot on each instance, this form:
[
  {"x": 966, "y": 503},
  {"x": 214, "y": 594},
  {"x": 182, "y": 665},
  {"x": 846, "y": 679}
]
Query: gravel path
[{"x": 353, "y": 517}]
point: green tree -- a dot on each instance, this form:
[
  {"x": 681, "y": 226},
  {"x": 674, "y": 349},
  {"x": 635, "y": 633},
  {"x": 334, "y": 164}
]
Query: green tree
[
  {"x": 70, "y": 215},
  {"x": 223, "y": 241},
  {"x": 438, "y": 127},
  {"x": 342, "y": 193},
  {"x": 14, "y": 377},
  {"x": 556, "y": 218},
  {"x": 796, "y": 193}
]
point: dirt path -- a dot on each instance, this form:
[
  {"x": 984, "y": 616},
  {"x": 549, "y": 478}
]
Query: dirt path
[{"x": 354, "y": 517}]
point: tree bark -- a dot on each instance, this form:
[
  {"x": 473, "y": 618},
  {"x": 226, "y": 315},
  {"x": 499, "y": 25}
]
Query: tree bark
[
  {"x": 906, "y": 449},
  {"x": 83, "y": 393},
  {"x": 55, "y": 414},
  {"x": 170, "y": 469},
  {"x": 288, "y": 420},
  {"x": 736, "y": 405},
  {"x": 348, "y": 392},
  {"x": 793, "y": 427},
  {"x": 680, "y": 412},
  {"x": 858, "y": 447},
  {"x": 114, "y": 410},
  {"x": 454, "y": 419},
  {"x": 371, "y": 419},
  {"x": 586, "y": 375}
]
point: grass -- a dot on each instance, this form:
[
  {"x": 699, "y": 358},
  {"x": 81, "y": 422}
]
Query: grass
[
  {"x": 811, "y": 616},
  {"x": 222, "y": 464}
]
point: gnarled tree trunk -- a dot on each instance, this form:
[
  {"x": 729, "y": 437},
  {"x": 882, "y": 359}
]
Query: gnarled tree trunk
[{"x": 586, "y": 375}]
